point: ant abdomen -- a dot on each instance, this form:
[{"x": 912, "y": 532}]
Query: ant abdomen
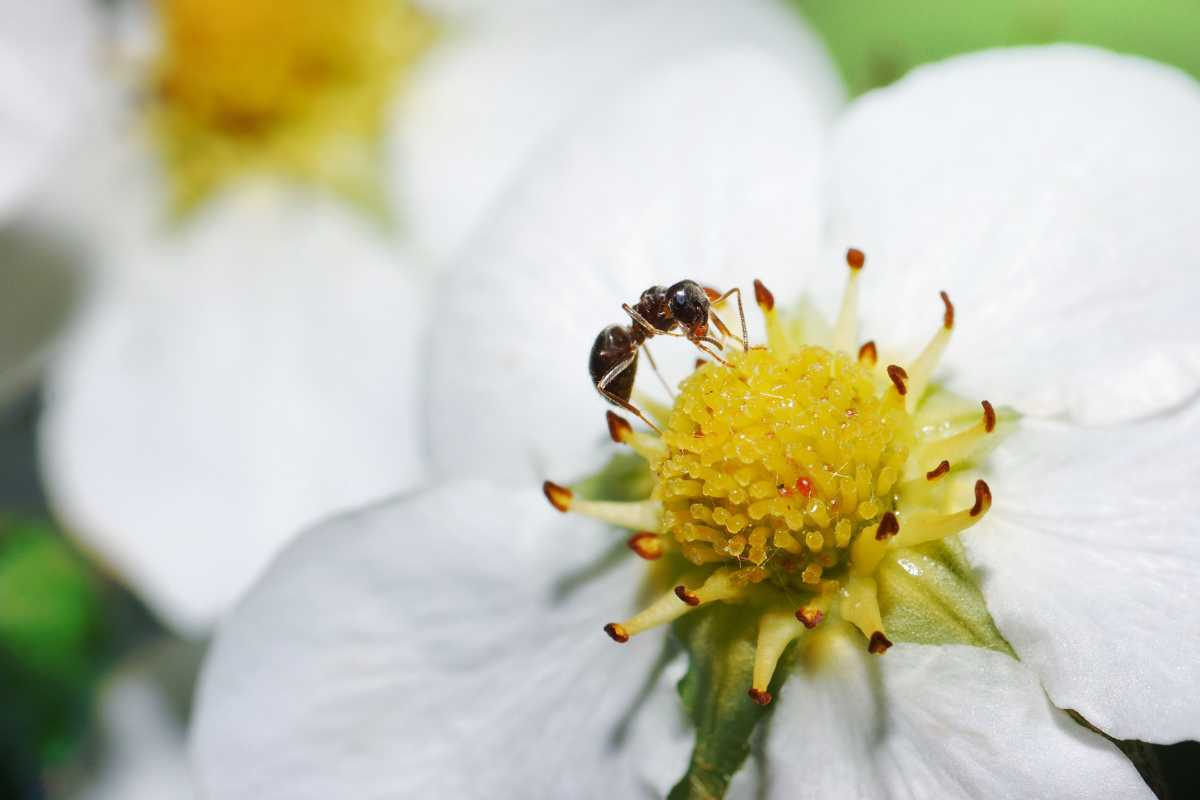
[{"x": 613, "y": 346}]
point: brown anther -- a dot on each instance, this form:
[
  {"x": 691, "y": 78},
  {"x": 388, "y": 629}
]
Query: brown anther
[
  {"x": 879, "y": 643},
  {"x": 700, "y": 362},
  {"x": 618, "y": 427},
  {"x": 898, "y": 376},
  {"x": 938, "y": 471},
  {"x": 712, "y": 293},
  {"x": 762, "y": 698},
  {"x": 763, "y": 296},
  {"x": 868, "y": 353},
  {"x": 617, "y": 632},
  {"x": 559, "y": 496},
  {"x": 983, "y": 498},
  {"x": 855, "y": 258},
  {"x": 809, "y": 617},
  {"x": 683, "y": 594},
  {"x": 647, "y": 545},
  {"x": 948, "y": 316},
  {"x": 889, "y": 526},
  {"x": 989, "y": 417}
]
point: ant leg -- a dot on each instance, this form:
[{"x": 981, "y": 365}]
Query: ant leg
[
  {"x": 741, "y": 314},
  {"x": 724, "y": 330},
  {"x": 700, "y": 346},
  {"x": 620, "y": 401},
  {"x": 640, "y": 320},
  {"x": 654, "y": 366}
]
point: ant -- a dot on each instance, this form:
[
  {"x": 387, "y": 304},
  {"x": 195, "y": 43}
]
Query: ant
[{"x": 660, "y": 310}]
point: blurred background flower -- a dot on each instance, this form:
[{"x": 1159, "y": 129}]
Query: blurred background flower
[{"x": 230, "y": 215}]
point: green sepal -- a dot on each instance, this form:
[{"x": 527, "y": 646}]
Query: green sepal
[
  {"x": 626, "y": 477},
  {"x": 719, "y": 641},
  {"x": 930, "y": 595}
]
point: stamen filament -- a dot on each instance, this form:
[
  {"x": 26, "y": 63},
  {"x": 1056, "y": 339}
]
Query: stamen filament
[
  {"x": 868, "y": 548},
  {"x": 921, "y": 370},
  {"x": 643, "y": 515},
  {"x": 958, "y": 448},
  {"x": 860, "y": 607},
  {"x": 777, "y": 336},
  {"x": 776, "y": 630},
  {"x": 924, "y": 526},
  {"x": 845, "y": 331},
  {"x": 646, "y": 445},
  {"x": 719, "y": 586}
]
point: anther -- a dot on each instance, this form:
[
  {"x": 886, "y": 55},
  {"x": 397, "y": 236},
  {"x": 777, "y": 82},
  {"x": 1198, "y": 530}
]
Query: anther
[
  {"x": 809, "y": 617},
  {"x": 989, "y": 417},
  {"x": 618, "y": 427},
  {"x": 868, "y": 354},
  {"x": 776, "y": 630},
  {"x": 647, "y": 545},
  {"x": 763, "y": 296},
  {"x": 846, "y": 327},
  {"x": 938, "y": 471},
  {"x": 683, "y": 594},
  {"x": 898, "y": 376},
  {"x": 879, "y": 643},
  {"x": 700, "y": 362},
  {"x": 559, "y": 496},
  {"x": 889, "y": 526},
  {"x": 762, "y": 698},
  {"x": 616, "y": 632},
  {"x": 855, "y": 258},
  {"x": 983, "y": 498},
  {"x": 948, "y": 315}
]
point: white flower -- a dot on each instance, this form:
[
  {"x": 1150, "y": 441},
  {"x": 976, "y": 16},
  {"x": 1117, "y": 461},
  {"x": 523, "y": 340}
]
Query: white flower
[
  {"x": 247, "y": 370},
  {"x": 37, "y": 60},
  {"x": 447, "y": 643}
]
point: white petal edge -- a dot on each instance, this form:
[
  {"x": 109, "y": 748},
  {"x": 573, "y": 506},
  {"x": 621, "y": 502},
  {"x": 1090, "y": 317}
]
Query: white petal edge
[
  {"x": 46, "y": 49},
  {"x": 504, "y": 79},
  {"x": 229, "y": 381},
  {"x": 709, "y": 172},
  {"x": 1050, "y": 191},
  {"x": 922, "y": 722},
  {"x": 424, "y": 648},
  {"x": 1089, "y": 560}
]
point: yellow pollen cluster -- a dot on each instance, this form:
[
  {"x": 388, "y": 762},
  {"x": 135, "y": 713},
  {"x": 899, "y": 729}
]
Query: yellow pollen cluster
[
  {"x": 785, "y": 475},
  {"x": 777, "y": 462},
  {"x": 284, "y": 85}
]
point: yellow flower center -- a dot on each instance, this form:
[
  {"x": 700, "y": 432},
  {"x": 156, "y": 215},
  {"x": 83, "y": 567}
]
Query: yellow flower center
[
  {"x": 785, "y": 475},
  {"x": 299, "y": 87},
  {"x": 775, "y": 462}
]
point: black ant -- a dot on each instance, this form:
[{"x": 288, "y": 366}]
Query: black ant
[{"x": 686, "y": 305}]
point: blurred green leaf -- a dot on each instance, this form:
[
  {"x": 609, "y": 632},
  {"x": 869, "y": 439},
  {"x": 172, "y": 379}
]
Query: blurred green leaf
[
  {"x": 874, "y": 42},
  {"x": 625, "y": 477}
]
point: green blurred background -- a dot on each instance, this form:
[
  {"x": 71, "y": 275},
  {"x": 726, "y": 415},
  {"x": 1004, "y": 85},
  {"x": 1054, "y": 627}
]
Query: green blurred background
[{"x": 67, "y": 627}]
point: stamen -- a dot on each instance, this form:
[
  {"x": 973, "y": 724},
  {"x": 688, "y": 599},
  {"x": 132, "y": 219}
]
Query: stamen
[
  {"x": 957, "y": 448},
  {"x": 868, "y": 549},
  {"x": 938, "y": 471},
  {"x": 640, "y": 515},
  {"x": 719, "y": 586},
  {"x": 777, "y": 335},
  {"x": 898, "y": 377},
  {"x": 868, "y": 354},
  {"x": 668, "y": 608},
  {"x": 776, "y": 630},
  {"x": 647, "y": 545},
  {"x": 925, "y": 526},
  {"x": 646, "y": 445},
  {"x": 813, "y": 613},
  {"x": 922, "y": 369},
  {"x": 860, "y": 607},
  {"x": 846, "y": 329}
]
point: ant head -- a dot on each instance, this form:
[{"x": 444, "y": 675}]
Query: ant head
[{"x": 689, "y": 305}]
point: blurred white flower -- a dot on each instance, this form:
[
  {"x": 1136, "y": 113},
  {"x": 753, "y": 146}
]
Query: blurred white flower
[
  {"x": 448, "y": 643},
  {"x": 254, "y": 365},
  {"x": 43, "y": 54}
]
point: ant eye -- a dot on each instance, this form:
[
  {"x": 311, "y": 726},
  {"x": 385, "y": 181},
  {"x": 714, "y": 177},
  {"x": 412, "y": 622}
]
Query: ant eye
[{"x": 688, "y": 303}]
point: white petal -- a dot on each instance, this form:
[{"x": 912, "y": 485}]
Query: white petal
[
  {"x": 1090, "y": 556},
  {"x": 45, "y": 49},
  {"x": 426, "y": 648},
  {"x": 236, "y": 378},
  {"x": 1051, "y": 192},
  {"x": 709, "y": 172},
  {"x": 494, "y": 88},
  {"x": 923, "y": 722}
]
